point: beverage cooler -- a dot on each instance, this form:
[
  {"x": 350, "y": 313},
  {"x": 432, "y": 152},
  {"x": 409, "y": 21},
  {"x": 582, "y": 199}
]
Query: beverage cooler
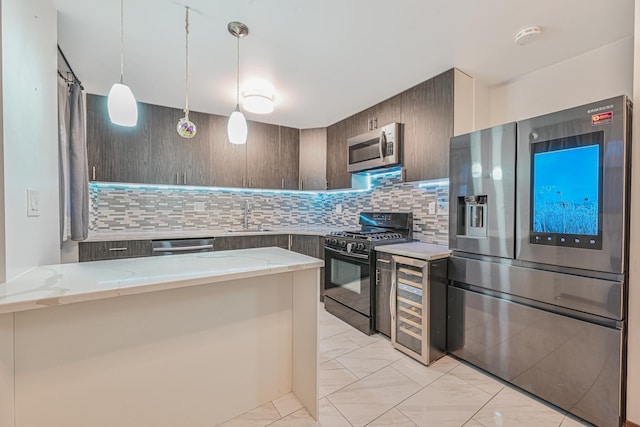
[{"x": 418, "y": 307}]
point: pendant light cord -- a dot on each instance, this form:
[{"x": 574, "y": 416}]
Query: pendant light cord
[
  {"x": 186, "y": 101},
  {"x": 238, "y": 73},
  {"x": 121, "y": 41}
]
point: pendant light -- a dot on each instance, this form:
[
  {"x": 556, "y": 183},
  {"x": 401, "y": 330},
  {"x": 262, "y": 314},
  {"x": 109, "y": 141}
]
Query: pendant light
[
  {"x": 237, "y": 126},
  {"x": 121, "y": 103},
  {"x": 186, "y": 128}
]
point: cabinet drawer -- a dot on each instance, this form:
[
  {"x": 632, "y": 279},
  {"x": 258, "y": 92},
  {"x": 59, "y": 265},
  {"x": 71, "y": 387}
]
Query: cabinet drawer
[
  {"x": 245, "y": 242},
  {"x": 96, "y": 251}
]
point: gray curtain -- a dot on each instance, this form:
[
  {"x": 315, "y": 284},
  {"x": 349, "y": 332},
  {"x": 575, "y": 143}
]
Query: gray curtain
[
  {"x": 63, "y": 157},
  {"x": 78, "y": 167},
  {"x": 74, "y": 171}
]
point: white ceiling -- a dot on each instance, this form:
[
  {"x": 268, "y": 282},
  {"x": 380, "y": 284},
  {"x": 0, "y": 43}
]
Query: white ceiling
[{"x": 327, "y": 59}]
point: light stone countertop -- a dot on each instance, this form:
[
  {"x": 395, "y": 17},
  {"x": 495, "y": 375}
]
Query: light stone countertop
[
  {"x": 194, "y": 234},
  {"x": 419, "y": 250},
  {"x": 52, "y": 285}
]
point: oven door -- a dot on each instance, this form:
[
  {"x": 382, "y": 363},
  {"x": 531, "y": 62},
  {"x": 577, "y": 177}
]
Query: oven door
[{"x": 347, "y": 279}]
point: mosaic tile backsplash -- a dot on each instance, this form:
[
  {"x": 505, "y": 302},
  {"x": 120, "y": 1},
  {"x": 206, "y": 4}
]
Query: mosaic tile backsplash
[{"x": 140, "y": 208}]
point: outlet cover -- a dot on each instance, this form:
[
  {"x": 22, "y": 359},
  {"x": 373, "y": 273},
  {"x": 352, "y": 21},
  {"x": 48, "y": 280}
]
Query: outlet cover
[
  {"x": 33, "y": 202},
  {"x": 198, "y": 206},
  {"x": 443, "y": 206},
  {"x": 338, "y": 208},
  {"x": 432, "y": 208}
]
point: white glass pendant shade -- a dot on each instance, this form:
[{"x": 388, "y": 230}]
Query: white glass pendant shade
[
  {"x": 257, "y": 103},
  {"x": 122, "y": 106},
  {"x": 237, "y": 128}
]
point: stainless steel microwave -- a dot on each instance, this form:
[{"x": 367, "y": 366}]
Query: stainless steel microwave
[{"x": 377, "y": 148}]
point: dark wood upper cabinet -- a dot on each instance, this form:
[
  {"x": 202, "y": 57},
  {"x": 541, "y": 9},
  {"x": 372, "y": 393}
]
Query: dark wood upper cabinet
[
  {"x": 263, "y": 156},
  {"x": 313, "y": 159},
  {"x": 337, "y": 175},
  {"x": 433, "y": 112},
  {"x": 154, "y": 153},
  {"x": 289, "y": 157}
]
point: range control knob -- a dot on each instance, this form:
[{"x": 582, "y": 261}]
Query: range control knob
[
  {"x": 360, "y": 246},
  {"x": 342, "y": 243}
]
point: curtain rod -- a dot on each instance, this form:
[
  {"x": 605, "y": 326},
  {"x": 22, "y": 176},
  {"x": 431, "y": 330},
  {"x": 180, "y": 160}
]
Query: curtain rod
[{"x": 75, "y": 77}]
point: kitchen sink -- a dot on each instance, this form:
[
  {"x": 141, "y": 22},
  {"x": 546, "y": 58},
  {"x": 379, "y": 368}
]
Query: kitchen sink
[{"x": 247, "y": 230}]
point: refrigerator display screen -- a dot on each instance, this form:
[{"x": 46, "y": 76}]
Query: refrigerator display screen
[{"x": 566, "y": 192}]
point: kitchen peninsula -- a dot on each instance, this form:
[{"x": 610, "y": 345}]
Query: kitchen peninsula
[{"x": 183, "y": 340}]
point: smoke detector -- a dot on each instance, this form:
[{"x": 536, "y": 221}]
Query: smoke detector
[{"x": 527, "y": 35}]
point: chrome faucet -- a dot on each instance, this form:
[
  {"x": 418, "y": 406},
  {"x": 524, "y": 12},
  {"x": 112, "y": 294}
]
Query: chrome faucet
[{"x": 247, "y": 208}]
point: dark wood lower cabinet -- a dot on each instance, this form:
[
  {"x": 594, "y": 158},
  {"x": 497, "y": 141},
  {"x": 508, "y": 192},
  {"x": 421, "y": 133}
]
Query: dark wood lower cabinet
[
  {"x": 383, "y": 291},
  {"x": 97, "y": 251},
  {"x": 245, "y": 242}
]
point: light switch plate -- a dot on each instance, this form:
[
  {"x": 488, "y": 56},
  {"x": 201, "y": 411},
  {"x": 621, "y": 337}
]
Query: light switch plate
[
  {"x": 443, "y": 206},
  {"x": 432, "y": 208},
  {"x": 198, "y": 206},
  {"x": 33, "y": 202},
  {"x": 338, "y": 208}
]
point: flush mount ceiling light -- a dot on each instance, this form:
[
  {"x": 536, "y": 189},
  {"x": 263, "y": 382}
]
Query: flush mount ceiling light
[
  {"x": 186, "y": 128},
  {"x": 237, "y": 125},
  {"x": 527, "y": 35},
  {"x": 258, "y": 100},
  {"x": 121, "y": 103}
]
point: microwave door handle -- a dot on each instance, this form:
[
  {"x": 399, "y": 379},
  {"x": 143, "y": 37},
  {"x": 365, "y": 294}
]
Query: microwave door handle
[{"x": 381, "y": 143}]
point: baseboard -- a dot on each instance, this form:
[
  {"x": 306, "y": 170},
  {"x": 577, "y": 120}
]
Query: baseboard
[{"x": 631, "y": 424}]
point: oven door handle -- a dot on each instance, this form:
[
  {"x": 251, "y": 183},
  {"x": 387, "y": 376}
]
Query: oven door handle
[{"x": 346, "y": 254}]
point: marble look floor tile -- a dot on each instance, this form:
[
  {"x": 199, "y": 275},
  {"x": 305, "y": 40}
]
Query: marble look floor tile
[
  {"x": 370, "y": 397},
  {"x": 444, "y": 364},
  {"x": 329, "y": 417},
  {"x": 448, "y": 401},
  {"x": 512, "y": 408},
  {"x": 473, "y": 423},
  {"x": 287, "y": 404},
  {"x": 477, "y": 378},
  {"x": 330, "y": 327},
  {"x": 362, "y": 339},
  {"x": 418, "y": 372},
  {"x": 259, "y": 417},
  {"x": 392, "y": 418},
  {"x": 334, "y": 376},
  {"x": 370, "y": 358},
  {"x": 332, "y": 347},
  {"x": 571, "y": 421}
]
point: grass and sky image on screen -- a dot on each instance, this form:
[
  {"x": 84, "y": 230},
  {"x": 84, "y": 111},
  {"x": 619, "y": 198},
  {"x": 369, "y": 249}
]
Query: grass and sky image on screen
[{"x": 565, "y": 191}]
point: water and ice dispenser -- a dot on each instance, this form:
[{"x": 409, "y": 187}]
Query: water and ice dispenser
[{"x": 474, "y": 216}]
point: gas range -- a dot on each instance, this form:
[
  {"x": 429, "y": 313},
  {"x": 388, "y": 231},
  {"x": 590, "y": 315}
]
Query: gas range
[
  {"x": 377, "y": 229},
  {"x": 349, "y": 286}
]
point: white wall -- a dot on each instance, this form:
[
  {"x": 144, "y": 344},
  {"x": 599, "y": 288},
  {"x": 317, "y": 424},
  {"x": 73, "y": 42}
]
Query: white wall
[
  {"x": 595, "y": 75},
  {"x": 29, "y": 63},
  {"x": 633, "y": 364}
]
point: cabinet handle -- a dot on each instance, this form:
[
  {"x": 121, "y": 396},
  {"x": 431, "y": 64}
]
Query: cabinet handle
[
  {"x": 302, "y": 184},
  {"x": 243, "y": 182},
  {"x": 375, "y": 123},
  {"x": 370, "y": 124},
  {"x": 377, "y": 276},
  {"x": 117, "y": 249},
  {"x": 177, "y": 178},
  {"x": 283, "y": 183},
  {"x": 250, "y": 178},
  {"x": 93, "y": 173},
  {"x": 326, "y": 184},
  {"x": 184, "y": 178},
  {"x": 384, "y": 261}
]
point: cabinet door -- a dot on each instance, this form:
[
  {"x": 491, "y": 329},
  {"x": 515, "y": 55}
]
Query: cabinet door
[
  {"x": 383, "y": 292},
  {"x": 427, "y": 114},
  {"x": 195, "y": 155},
  {"x": 289, "y": 157},
  {"x": 389, "y": 111},
  {"x": 118, "y": 153},
  {"x": 313, "y": 159},
  {"x": 228, "y": 161},
  {"x": 337, "y": 174},
  {"x": 360, "y": 123},
  {"x": 263, "y": 156},
  {"x": 165, "y": 157}
]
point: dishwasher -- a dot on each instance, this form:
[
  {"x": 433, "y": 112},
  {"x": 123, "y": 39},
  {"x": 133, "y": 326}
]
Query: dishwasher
[
  {"x": 418, "y": 301},
  {"x": 181, "y": 246}
]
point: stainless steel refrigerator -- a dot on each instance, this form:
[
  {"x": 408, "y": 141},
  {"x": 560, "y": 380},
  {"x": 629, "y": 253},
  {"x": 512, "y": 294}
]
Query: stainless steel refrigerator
[{"x": 538, "y": 225}]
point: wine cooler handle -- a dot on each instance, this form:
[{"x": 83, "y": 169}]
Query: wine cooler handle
[{"x": 392, "y": 300}]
